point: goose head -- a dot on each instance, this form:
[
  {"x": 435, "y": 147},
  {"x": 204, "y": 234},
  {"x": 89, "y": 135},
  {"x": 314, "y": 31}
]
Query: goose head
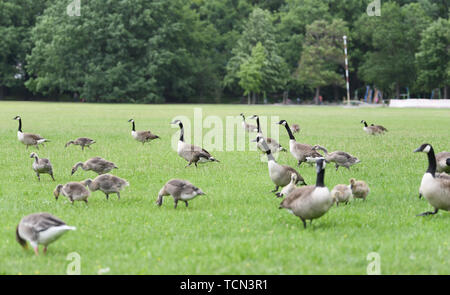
[
  {"x": 424, "y": 148},
  {"x": 352, "y": 182},
  {"x": 254, "y": 117},
  {"x": 320, "y": 164},
  {"x": 87, "y": 182},
  {"x": 16, "y": 118},
  {"x": 131, "y": 120},
  {"x": 363, "y": 122},
  {"x": 57, "y": 191},
  {"x": 178, "y": 122},
  {"x": 69, "y": 143},
  {"x": 33, "y": 155},
  {"x": 282, "y": 122}
]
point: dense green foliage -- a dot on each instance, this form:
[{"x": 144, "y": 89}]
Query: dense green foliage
[{"x": 200, "y": 50}]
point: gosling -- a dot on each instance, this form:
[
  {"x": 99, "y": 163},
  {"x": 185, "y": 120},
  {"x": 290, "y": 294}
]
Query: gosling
[
  {"x": 360, "y": 189},
  {"x": 42, "y": 166},
  {"x": 75, "y": 191},
  {"x": 180, "y": 190}
]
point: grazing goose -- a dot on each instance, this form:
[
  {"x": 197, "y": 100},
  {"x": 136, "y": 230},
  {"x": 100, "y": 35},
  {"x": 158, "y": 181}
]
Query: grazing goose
[
  {"x": 373, "y": 129},
  {"x": 310, "y": 202},
  {"x": 81, "y": 141},
  {"x": 248, "y": 127},
  {"x": 40, "y": 229},
  {"x": 339, "y": 158},
  {"x": 107, "y": 183},
  {"x": 300, "y": 151},
  {"x": 75, "y": 191},
  {"x": 436, "y": 190},
  {"x": 29, "y": 138},
  {"x": 142, "y": 136},
  {"x": 191, "y": 153},
  {"x": 279, "y": 174},
  {"x": 271, "y": 143},
  {"x": 41, "y": 166},
  {"x": 181, "y": 190},
  {"x": 341, "y": 194},
  {"x": 288, "y": 188},
  {"x": 295, "y": 128},
  {"x": 96, "y": 164},
  {"x": 443, "y": 162},
  {"x": 359, "y": 188}
]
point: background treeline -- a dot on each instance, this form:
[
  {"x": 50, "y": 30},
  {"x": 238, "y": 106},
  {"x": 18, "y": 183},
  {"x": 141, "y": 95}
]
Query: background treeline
[{"x": 220, "y": 50}]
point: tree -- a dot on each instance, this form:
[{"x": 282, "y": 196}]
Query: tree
[
  {"x": 433, "y": 58},
  {"x": 250, "y": 73},
  {"x": 322, "y": 55}
]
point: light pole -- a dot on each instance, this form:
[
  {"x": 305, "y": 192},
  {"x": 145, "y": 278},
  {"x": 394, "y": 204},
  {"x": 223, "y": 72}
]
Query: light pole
[{"x": 346, "y": 70}]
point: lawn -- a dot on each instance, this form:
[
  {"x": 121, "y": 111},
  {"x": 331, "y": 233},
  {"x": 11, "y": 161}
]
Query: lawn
[{"x": 237, "y": 227}]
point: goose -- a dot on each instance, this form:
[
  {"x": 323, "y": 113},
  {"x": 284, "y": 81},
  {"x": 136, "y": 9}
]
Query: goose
[
  {"x": 107, "y": 183},
  {"x": 75, "y": 191},
  {"x": 41, "y": 166},
  {"x": 295, "y": 128},
  {"x": 437, "y": 175},
  {"x": 40, "y": 229},
  {"x": 359, "y": 188},
  {"x": 436, "y": 190},
  {"x": 288, "y": 188},
  {"x": 142, "y": 136},
  {"x": 191, "y": 153},
  {"x": 96, "y": 164},
  {"x": 372, "y": 129},
  {"x": 181, "y": 190},
  {"x": 443, "y": 162},
  {"x": 29, "y": 138},
  {"x": 341, "y": 193},
  {"x": 81, "y": 141},
  {"x": 248, "y": 127},
  {"x": 300, "y": 151},
  {"x": 312, "y": 201},
  {"x": 339, "y": 158},
  {"x": 271, "y": 143},
  {"x": 279, "y": 174}
]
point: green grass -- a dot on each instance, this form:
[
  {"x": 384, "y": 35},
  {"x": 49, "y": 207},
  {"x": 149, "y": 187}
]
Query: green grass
[{"x": 237, "y": 227}]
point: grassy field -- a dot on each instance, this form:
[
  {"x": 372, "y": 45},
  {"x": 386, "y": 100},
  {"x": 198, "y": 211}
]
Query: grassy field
[{"x": 237, "y": 227}]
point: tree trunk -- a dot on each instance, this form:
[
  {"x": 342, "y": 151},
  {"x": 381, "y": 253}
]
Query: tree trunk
[
  {"x": 445, "y": 92},
  {"x": 316, "y": 97},
  {"x": 254, "y": 98},
  {"x": 336, "y": 93},
  {"x": 2, "y": 91},
  {"x": 249, "y": 100},
  {"x": 397, "y": 91}
]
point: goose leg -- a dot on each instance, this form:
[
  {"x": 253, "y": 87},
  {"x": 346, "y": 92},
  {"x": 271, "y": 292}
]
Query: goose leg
[
  {"x": 276, "y": 189},
  {"x": 118, "y": 195},
  {"x": 159, "y": 201},
  {"x": 176, "y": 203},
  {"x": 27, "y": 146},
  {"x": 299, "y": 163},
  {"x": 82, "y": 147},
  {"x": 36, "y": 250},
  {"x": 420, "y": 196},
  {"x": 189, "y": 164},
  {"x": 304, "y": 222},
  {"x": 429, "y": 213},
  {"x": 337, "y": 167},
  {"x": 45, "y": 250},
  {"x": 51, "y": 174},
  {"x": 186, "y": 203},
  {"x": 38, "y": 176},
  {"x": 71, "y": 200},
  {"x": 107, "y": 196},
  {"x": 86, "y": 201},
  {"x": 37, "y": 147}
]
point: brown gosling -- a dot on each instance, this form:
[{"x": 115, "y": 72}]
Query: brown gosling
[
  {"x": 75, "y": 191},
  {"x": 180, "y": 190},
  {"x": 81, "y": 141},
  {"x": 341, "y": 193},
  {"x": 359, "y": 188},
  {"x": 42, "y": 166}
]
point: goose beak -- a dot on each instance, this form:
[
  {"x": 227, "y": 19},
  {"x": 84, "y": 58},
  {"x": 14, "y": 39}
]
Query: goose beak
[
  {"x": 253, "y": 140},
  {"x": 417, "y": 150}
]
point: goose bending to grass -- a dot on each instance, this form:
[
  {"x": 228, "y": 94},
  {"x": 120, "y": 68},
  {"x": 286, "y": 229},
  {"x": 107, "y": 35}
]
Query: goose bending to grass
[
  {"x": 300, "y": 151},
  {"x": 248, "y": 127},
  {"x": 107, "y": 183},
  {"x": 436, "y": 190},
  {"x": 443, "y": 162},
  {"x": 339, "y": 158},
  {"x": 312, "y": 201},
  {"x": 191, "y": 153},
  {"x": 180, "y": 190},
  {"x": 341, "y": 194},
  {"x": 288, "y": 188},
  {"x": 360, "y": 189},
  {"x": 279, "y": 174},
  {"x": 81, "y": 141},
  {"x": 373, "y": 129},
  {"x": 271, "y": 143},
  {"x": 29, "y": 138},
  {"x": 40, "y": 229},
  {"x": 41, "y": 166},
  {"x": 96, "y": 164},
  {"x": 75, "y": 191},
  {"x": 142, "y": 136}
]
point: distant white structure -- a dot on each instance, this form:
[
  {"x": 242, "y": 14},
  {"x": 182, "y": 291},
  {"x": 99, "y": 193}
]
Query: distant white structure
[{"x": 419, "y": 103}]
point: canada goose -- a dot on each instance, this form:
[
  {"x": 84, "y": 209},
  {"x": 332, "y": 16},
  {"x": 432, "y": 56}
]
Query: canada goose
[
  {"x": 279, "y": 174},
  {"x": 437, "y": 175},
  {"x": 81, "y": 141},
  {"x": 300, "y": 151},
  {"x": 372, "y": 129},
  {"x": 29, "y": 138},
  {"x": 142, "y": 136},
  {"x": 96, "y": 164},
  {"x": 435, "y": 189},
  {"x": 271, "y": 143},
  {"x": 359, "y": 188},
  {"x": 181, "y": 190},
  {"x": 295, "y": 128},
  {"x": 248, "y": 127},
  {"x": 339, "y": 158},
  {"x": 40, "y": 229},
  {"x": 443, "y": 162},
  {"x": 41, "y": 166},
  {"x": 288, "y": 188},
  {"x": 310, "y": 202},
  {"x": 191, "y": 153},
  {"x": 341, "y": 194},
  {"x": 107, "y": 183},
  {"x": 75, "y": 191}
]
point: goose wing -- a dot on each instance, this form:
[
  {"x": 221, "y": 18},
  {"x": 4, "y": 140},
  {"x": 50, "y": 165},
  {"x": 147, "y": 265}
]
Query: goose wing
[
  {"x": 292, "y": 170},
  {"x": 298, "y": 193},
  {"x": 147, "y": 135},
  {"x": 33, "y": 136},
  {"x": 43, "y": 221}
]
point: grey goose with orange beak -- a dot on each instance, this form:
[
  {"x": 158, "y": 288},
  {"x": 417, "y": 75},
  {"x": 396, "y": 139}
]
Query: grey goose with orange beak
[
  {"x": 271, "y": 143},
  {"x": 192, "y": 153},
  {"x": 436, "y": 190},
  {"x": 248, "y": 127},
  {"x": 40, "y": 229},
  {"x": 96, "y": 164},
  {"x": 29, "y": 138},
  {"x": 81, "y": 141},
  {"x": 141, "y": 136},
  {"x": 279, "y": 174},
  {"x": 300, "y": 151},
  {"x": 373, "y": 129},
  {"x": 312, "y": 201},
  {"x": 180, "y": 190},
  {"x": 41, "y": 166}
]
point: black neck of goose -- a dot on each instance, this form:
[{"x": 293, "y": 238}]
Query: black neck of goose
[
  {"x": 134, "y": 127},
  {"x": 289, "y": 131},
  {"x": 20, "y": 125},
  {"x": 243, "y": 118},
  {"x": 320, "y": 178},
  {"x": 181, "y": 132},
  {"x": 257, "y": 124},
  {"x": 270, "y": 156},
  {"x": 431, "y": 162},
  {"x": 365, "y": 124}
]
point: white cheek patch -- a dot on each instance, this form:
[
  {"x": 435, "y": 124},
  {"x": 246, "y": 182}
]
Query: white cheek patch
[{"x": 427, "y": 149}]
